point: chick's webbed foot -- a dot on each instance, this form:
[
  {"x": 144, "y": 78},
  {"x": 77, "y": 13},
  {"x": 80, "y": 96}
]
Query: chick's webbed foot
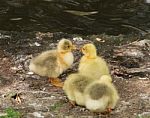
[
  {"x": 72, "y": 103},
  {"x": 108, "y": 111},
  {"x": 56, "y": 82}
]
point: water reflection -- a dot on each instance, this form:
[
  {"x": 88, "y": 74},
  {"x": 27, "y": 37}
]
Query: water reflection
[{"x": 74, "y": 16}]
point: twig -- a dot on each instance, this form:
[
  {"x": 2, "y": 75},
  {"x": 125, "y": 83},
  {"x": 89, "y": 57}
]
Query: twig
[{"x": 135, "y": 28}]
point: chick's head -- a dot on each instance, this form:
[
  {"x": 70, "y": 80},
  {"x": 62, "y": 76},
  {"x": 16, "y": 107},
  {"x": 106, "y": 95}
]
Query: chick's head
[
  {"x": 65, "y": 45},
  {"x": 89, "y": 50}
]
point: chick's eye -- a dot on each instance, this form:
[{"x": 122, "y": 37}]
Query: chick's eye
[{"x": 68, "y": 46}]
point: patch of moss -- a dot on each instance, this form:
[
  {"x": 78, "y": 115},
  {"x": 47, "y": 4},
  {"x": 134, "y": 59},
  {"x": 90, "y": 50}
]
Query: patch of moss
[
  {"x": 56, "y": 106},
  {"x": 11, "y": 113}
]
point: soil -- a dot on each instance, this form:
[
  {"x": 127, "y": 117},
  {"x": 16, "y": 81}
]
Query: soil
[
  {"x": 127, "y": 55},
  {"x": 28, "y": 27}
]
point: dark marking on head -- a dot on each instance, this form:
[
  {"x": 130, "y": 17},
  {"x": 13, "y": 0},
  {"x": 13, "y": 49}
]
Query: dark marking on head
[{"x": 66, "y": 45}]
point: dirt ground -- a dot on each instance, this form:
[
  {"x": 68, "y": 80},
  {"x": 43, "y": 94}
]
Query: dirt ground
[{"x": 128, "y": 57}]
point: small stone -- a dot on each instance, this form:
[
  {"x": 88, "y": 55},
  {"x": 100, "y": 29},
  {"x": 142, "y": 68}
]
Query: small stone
[
  {"x": 44, "y": 89},
  {"x": 38, "y": 115},
  {"x": 77, "y": 38},
  {"x": 142, "y": 78},
  {"x": 14, "y": 68},
  {"x": 30, "y": 73},
  {"x": 37, "y": 44},
  {"x": 82, "y": 109},
  {"x": 98, "y": 39}
]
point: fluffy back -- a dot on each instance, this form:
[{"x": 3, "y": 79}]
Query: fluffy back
[
  {"x": 81, "y": 82},
  {"x": 99, "y": 90}
]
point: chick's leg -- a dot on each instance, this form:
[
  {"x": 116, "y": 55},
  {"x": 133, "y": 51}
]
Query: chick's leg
[{"x": 56, "y": 82}]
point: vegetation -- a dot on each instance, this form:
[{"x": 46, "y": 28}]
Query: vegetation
[
  {"x": 56, "y": 106},
  {"x": 11, "y": 113}
]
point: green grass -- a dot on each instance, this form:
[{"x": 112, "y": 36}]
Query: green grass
[
  {"x": 56, "y": 106},
  {"x": 139, "y": 117},
  {"x": 11, "y": 113}
]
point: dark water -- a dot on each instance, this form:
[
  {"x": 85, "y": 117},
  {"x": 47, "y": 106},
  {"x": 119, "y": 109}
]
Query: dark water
[{"x": 117, "y": 17}]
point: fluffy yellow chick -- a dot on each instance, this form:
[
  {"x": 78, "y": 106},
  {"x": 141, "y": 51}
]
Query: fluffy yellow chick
[
  {"x": 53, "y": 62},
  {"x": 101, "y": 95},
  {"x": 74, "y": 87},
  {"x": 92, "y": 65}
]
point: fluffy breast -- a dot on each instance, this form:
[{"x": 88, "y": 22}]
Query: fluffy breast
[{"x": 68, "y": 58}]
